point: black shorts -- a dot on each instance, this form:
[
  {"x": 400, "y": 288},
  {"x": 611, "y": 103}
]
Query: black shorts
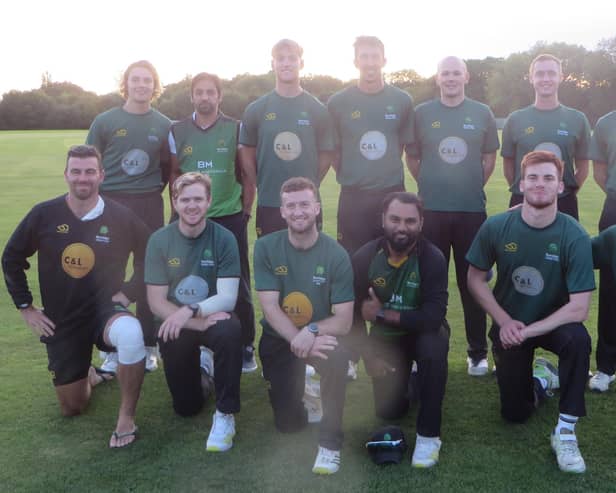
[{"x": 70, "y": 351}]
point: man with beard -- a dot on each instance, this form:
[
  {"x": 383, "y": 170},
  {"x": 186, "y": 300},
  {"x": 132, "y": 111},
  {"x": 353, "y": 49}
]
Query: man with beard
[
  {"x": 401, "y": 289},
  {"x": 285, "y": 133},
  {"x": 192, "y": 275},
  {"x": 541, "y": 297},
  {"x": 452, "y": 159},
  {"x": 305, "y": 285},
  {"x": 206, "y": 142},
  {"x": 132, "y": 139},
  {"x": 547, "y": 125},
  {"x": 83, "y": 243}
]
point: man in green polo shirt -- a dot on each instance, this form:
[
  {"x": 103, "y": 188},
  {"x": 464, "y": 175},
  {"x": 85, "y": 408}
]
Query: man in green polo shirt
[
  {"x": 603, "y": 154},
  {"x": 132, "y": 139},
  {"x": 374, "y": 121},
  {"x": 452, "y": 159},
  {"x": 305, "y": 285},
  {"x": 206, "y": 142},
  {"x": 285, "y": 133},
  {"x": 547, "y": 125},
  {"x": 541, "y": 297}
]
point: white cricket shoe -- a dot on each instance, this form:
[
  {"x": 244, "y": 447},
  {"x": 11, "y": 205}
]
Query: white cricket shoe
[
  {"x": 222, "y": 432},
  {"x": 327, "y": 461},
  {"x": 426, "y": 451},
  {"x": 477, "y": 368},
  {"x": 206, "y": 361},
  {"x": 568, "y": 454},
  {"x": 600, "y": 382}
]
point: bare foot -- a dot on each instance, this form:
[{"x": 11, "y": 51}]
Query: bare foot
[{"x": 97, "y": 377}]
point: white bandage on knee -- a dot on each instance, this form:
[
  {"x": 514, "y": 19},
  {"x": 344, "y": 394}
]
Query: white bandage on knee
[{"x": 126, "y": 336}]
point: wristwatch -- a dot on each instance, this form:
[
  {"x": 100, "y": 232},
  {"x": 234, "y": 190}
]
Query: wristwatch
[
  {"x": 313, "y": 329},
  {"x": 380, "y": 316},
  {"x": 195, "y": 309}
]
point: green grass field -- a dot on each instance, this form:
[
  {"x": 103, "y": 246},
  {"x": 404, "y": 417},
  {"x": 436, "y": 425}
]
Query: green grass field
[{"x": 43, "y": 451}]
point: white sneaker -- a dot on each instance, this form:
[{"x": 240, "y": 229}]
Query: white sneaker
[
  {"x": 600, "y": 382},
  {"x": 327, "y": 461},
  {"x": 221, "y": 435},
  {"x": 352, "y": 371},
  {"x": 151, "y": 358},
  {"x": 206, "y": 361},
  {"x": 544, "y": 369},
  {"x": 110, "y": 364},
  {"x": 477, "y": 368},
  {"x": 310, "y": 371},
  {"x": 568, "y": 454},
  {"x": 426, "y": 451}
]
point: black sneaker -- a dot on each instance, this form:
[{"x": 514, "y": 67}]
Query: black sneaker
[{"x": 249, "y": 363}]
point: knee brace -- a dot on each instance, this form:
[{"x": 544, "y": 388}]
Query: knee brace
[{"x": 126, "y": 336}]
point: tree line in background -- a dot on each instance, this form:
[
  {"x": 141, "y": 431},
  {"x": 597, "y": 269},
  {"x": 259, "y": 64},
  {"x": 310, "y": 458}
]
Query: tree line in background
[{"x": 501, "y": 83}]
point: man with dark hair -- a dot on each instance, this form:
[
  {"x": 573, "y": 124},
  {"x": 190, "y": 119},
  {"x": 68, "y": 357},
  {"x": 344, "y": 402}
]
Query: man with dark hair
[
  {"x": 374, "y": 121},
  {"x": 541, "y": 297},
  {"x": 285, "y": 133},
  {"x": 83, "y": 243},
  {"x": 452, "y": 159},
  {"x": 192, "y": 275},
  {"x": 133, "y": 142},
  {"x": 206, "y": 142},
  {"x": 305, "y": 285},
  {"x": 547, "y": 125},
  {"x": 401, "y": 289}
]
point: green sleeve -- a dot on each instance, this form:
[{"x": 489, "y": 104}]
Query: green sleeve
[
  {"x": 481, "y": 253},
  {"x": 582, "y": 147},
  {"x": 490, "y": 142},
  {"x": 265, "y": 279},
  {"x": 325, "y": 132},
  {"x": 342, "y": 282},
  {"x": 598, "y": 145},
  {"x": 249, "y": 128},
  {"x": 579, "y": 270},
  {"x": 96, "y": 135},
  {"x": 229, "y": 259},
  {"x": 155, "y": 262},
  {"x": 508, "y": 148},
  {"x": 407, "y": 127}
]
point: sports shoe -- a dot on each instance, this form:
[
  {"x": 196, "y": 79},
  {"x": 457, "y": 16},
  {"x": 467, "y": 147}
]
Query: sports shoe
[
  {"x": 151, "y": 358},
  {"x": 110, "y": 363},
  {"x": 327, "y": 461},
  {"x": 206, "y": 361},
  {"x": 477, "y": 368},
  {"x": 249, "y": 363},
  {"x": 310, "y": 371},
  {"x": 221, "y": 435},
  {"x": 600, "y": 382},
  {"x": 546, "y": 370},
  {"x": 568, "y": 454},
  {"x": 352, "y": 371},
  {"x": 426, "y": 451}
]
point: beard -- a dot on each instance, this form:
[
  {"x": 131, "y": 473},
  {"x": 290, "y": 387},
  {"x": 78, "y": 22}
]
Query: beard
[
  {"x": 401, "y": 243},
  {"x": 540, "y": 203},
  {"x": 303, "y": 228},
  {"x": 205, "y": 108}
]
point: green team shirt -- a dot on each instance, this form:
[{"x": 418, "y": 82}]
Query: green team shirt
[
  {"x": 309, "y": 281},
  {"x": 450, "y": 143},
  {"x": 212, "y": 152},
  {"x": 191, "y": 266},
  {"x": 604, "y": 249},
  {"x": 288, "y": 133},
  {"x": 563, "y": 131},
  {"x": 537, "y": 268},
  {"x": 131, "y": 147},
  {"x": 372, "y": 130},
  {"x": 603, "y": 146}
]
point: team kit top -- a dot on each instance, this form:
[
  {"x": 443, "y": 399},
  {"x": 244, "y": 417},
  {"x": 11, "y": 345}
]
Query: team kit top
[
  {"x": 191, "y": 266},
  {"x": 603, "y": 147},
  {"x": 309, "y": 281},
  {"x": 131, "y": 148},
  {"x": 81, "y": 264},
  {"x": 450, "y": 143},
  {"x": 211, "y": 151},
  {"x": 537, "y": 268},
  {"x": 604, "y": 249},
  {"x": 416, "y": 287},
  {"x": 288, "y": 133},
  {"x": 563, "y": 131},
  {"x": 372, "y": 130}
]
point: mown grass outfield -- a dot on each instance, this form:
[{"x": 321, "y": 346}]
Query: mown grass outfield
[{"x": 41, "y": 451}]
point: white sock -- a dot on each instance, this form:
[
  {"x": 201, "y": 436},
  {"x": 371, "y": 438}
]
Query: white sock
[{"x": 566, "y": 422}]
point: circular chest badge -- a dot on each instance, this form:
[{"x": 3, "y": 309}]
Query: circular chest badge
[
  {"x": 453, "y": 150},
  {"x": 550, "y": 147},
  {"x": 298, "y": 308},
  {"x": 373, "y": 145},
  {"x": 527, "y": 280},
  {"x": 135, "y": 162},
  {"x": 287, "y": 146},
  {"x": 78, "y": 260},
  {"x": 191, "y": 289}
]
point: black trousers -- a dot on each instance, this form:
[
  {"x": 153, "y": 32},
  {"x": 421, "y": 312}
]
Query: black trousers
[
  {"x": 285, "y": 374},
  {"x": 236, "y": 223},
  {"x": 429, "y": 350},
  {"x": 456, "y": 231},
  {"x": 360, "y": 216},
  {"x": 181, "y": 362},
  {"x": 606, "y": 322},
  {"x": 514, "y": 370},
  {"x": 567, "y": 204},
  {"x": 149, "y": 208}
]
